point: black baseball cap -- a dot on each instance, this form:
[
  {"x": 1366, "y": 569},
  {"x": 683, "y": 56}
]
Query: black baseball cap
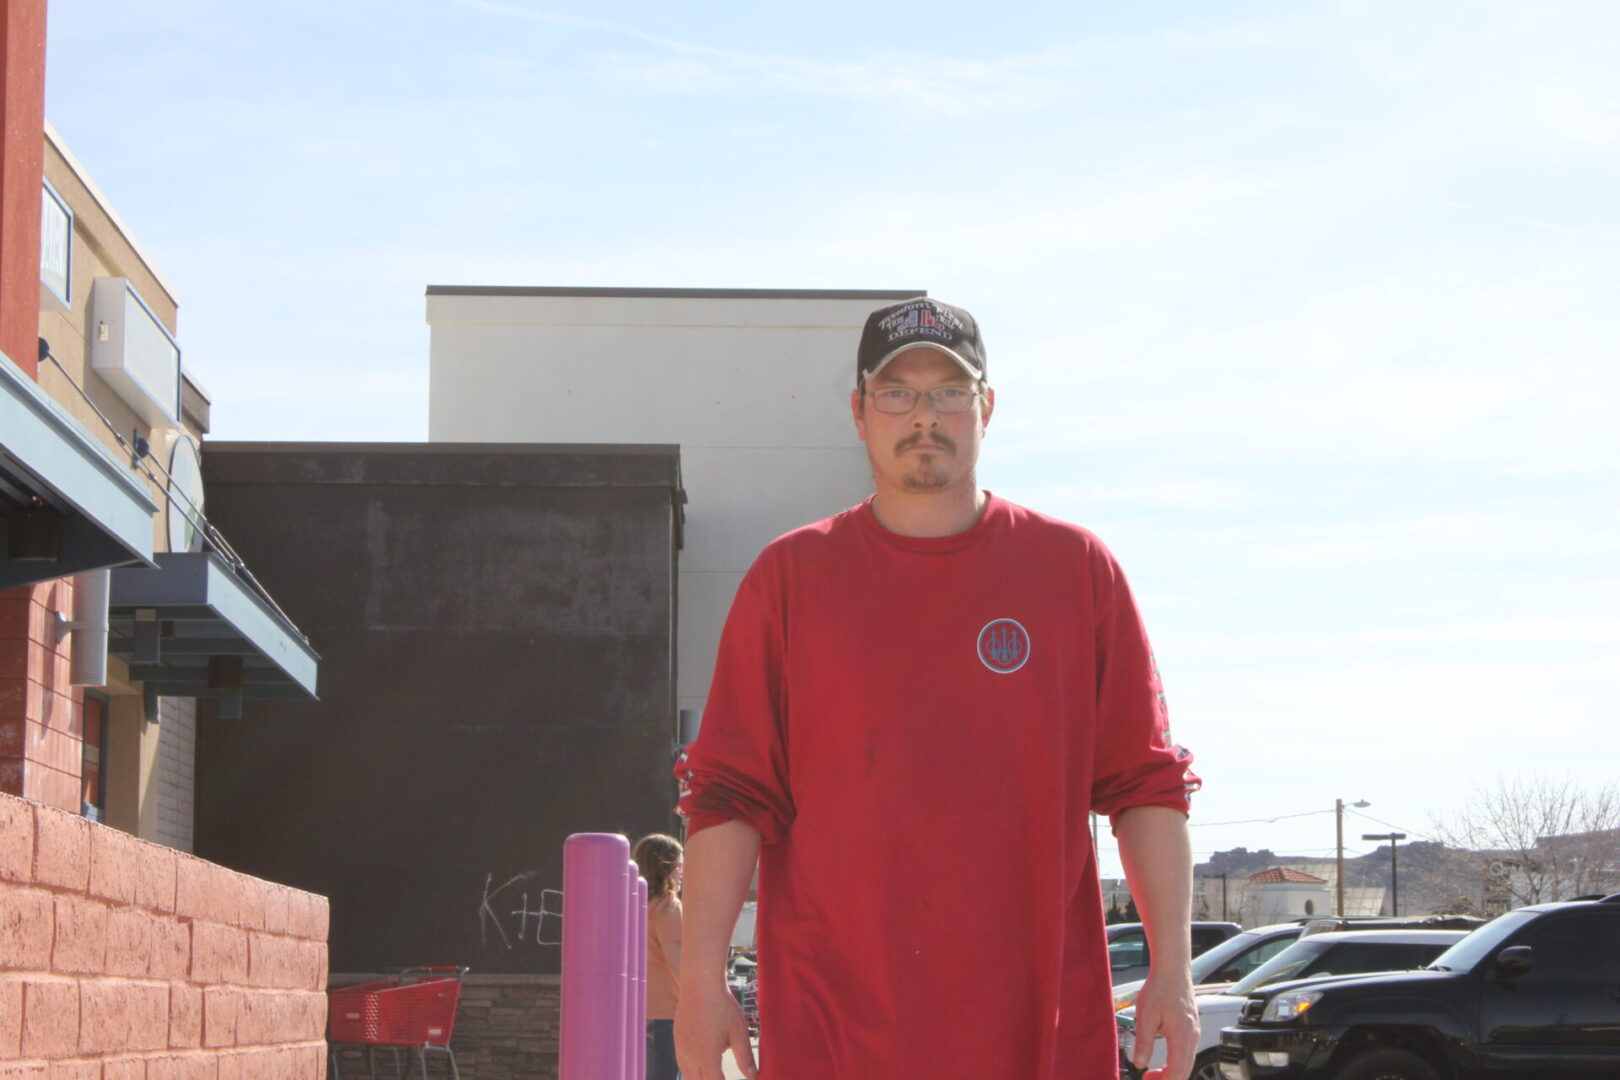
[{"x": 919, "y": 322}]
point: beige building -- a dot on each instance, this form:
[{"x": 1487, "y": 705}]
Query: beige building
[
  {"x": 137, "y": 768},
  {"x": 113, "y": 660},
  {"x": 1303, "y": 889},
  {"x": 752, "y": 384}
]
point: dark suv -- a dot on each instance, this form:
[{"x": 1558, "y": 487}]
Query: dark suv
[{"x": 1532, "y": 995}]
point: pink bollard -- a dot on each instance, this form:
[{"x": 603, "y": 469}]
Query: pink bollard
[
  {"x": 640, "y": 907},
  {"x": 633, "y": 946},
  {"x": 595, "y": 958}
]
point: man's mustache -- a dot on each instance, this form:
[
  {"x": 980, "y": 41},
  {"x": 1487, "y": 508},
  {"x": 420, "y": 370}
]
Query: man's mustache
[{"x": 917, "y": 438}]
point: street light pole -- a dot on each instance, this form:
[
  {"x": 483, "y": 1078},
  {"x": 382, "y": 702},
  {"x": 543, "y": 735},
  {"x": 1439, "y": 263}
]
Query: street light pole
[
  {"x": 1394, "y": 878},
  {"x": 1338, "y": 818}
]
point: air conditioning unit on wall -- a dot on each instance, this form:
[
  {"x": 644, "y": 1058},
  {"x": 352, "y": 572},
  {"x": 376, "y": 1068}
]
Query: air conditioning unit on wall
[{"x": 134, "y": 352}]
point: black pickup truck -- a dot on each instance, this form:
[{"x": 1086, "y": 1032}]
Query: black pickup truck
[{"x": 1532, "y": 995}]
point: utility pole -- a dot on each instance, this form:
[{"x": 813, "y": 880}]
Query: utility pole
[
  {"x": 1394, "y": 879},
  {"x": 1338, "y": 817}
]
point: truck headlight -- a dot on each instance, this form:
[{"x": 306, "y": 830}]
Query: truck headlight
[{"x": 1290, "y": 1006}]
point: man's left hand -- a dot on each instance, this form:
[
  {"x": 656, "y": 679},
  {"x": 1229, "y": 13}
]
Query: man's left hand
[{"x": 1165, "y": 1008}]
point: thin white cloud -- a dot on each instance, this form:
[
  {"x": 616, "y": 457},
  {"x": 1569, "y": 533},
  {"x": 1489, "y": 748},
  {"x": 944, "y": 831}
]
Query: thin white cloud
[
  {"x": 602, "y": 26},
  {"x": 969, "y": 84},
  {"x": 1567, "y": 230},
  {"x": 915, "y": 79},
  {"x": 1573, "y": 112}
]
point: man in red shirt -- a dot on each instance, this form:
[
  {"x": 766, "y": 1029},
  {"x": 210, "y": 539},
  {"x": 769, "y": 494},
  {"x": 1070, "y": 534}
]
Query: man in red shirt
[{"x": 916, "y": 705}]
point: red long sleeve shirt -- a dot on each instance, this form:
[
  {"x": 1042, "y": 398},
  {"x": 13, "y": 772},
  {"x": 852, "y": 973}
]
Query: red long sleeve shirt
[{"x": 918, "y": 728}]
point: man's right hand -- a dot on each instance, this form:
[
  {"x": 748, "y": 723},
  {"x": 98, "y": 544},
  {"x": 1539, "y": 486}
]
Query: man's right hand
[
  {"x": 719, "y": 861},
  {"x": 707, "y": 1021}
]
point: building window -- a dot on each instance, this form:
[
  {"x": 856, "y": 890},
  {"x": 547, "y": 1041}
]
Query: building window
[
  {"x": 55, "y": 252},
  {"x": 95, "y": 756}
]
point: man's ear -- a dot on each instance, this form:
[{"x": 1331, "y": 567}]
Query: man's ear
[
  {"x": 856, "y": 402},
  {"x": 989, "y": 406}
]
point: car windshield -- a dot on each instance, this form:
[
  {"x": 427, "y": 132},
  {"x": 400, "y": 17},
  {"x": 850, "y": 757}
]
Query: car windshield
[
  {"x": 1124, "y": 954},
  {"x": 1474, "y": 948},
  {"x": 1206, "y": 964},
  {"x": 1292, "y": 959}
]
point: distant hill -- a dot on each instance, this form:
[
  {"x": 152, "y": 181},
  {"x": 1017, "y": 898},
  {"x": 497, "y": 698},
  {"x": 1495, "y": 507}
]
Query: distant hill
[{"x": 1433, "y": 878}]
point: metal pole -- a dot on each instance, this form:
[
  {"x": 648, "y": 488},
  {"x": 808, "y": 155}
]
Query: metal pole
[
  {"x": 1338, "y": 817},
  {"x": 1394, "y": 879}
]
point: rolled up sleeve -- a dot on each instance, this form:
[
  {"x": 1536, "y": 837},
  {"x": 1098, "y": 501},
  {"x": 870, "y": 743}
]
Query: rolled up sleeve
[
  {"x": 736, "y": 769},
  {"x": 1137, "y": 763}
]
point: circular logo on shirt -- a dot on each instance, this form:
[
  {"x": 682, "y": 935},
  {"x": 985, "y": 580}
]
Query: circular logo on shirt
[{"x": 1003, "y": 646}]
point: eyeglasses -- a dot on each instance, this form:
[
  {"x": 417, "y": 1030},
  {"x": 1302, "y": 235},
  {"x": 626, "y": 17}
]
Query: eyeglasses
[{"x": 902, "y": 399}]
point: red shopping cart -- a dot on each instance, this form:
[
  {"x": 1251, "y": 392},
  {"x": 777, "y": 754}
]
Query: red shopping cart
[{"x": 414, "y": 1011}]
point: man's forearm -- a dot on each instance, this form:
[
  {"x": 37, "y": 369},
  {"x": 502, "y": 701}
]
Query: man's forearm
[
  {"x": 719, "y": 865},
  {"x": 1156, "y": 851}
]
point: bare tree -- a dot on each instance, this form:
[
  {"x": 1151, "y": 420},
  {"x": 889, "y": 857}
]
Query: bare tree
[{"x": 1532, "y": 839}]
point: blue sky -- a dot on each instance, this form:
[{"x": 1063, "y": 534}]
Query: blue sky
[{"x": 1309, "y": 309}]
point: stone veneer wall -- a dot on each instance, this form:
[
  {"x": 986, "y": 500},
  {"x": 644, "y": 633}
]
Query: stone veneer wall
[
  {"x": 506, "y": 1029},
  {"x": 125, "y": 960},
  {"x": 176, "y": 771}
]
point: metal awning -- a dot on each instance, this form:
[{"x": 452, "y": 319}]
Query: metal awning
[
  {"x": 90, "y": 510},
  {"x": 191, "y": 627}
]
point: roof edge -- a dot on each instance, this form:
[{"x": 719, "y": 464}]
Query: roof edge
[
  {"x": 607, "y": 449},
  {"x": 674, "y": 294},
  {"x": 54, "y": 137}
]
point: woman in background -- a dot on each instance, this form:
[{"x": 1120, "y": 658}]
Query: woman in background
[{"x": 659, "y": 858}]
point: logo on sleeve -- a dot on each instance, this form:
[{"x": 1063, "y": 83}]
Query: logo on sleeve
[{"x": 1003, "y": 646}]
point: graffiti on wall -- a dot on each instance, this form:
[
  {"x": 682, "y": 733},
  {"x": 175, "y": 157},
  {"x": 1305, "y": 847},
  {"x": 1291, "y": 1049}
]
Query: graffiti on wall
[{"x": 535, "y": 921}]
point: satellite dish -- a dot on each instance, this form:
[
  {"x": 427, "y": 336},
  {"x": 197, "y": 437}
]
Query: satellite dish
[{"x": 185, "y": 496}]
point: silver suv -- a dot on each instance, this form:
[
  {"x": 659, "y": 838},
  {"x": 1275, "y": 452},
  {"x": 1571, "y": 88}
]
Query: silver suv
[
  {"x": 1350, "y": 952},
  {"x": 1128, "y": 954}
]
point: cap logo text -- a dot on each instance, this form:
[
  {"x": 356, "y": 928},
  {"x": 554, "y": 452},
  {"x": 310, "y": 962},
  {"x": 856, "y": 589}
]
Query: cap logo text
[{"x": 920, "y": 320}]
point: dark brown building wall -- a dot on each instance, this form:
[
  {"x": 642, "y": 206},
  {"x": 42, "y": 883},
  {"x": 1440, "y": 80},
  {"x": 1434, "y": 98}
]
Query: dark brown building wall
[{"x": 496, "y": 630}]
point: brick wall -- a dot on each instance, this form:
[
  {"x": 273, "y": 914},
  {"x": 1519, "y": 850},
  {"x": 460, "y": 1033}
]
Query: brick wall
[
  {"x": 124, "y": 960},
  {"x": 506, "y": 1029},
  {"x": 41, "y": 723}
]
